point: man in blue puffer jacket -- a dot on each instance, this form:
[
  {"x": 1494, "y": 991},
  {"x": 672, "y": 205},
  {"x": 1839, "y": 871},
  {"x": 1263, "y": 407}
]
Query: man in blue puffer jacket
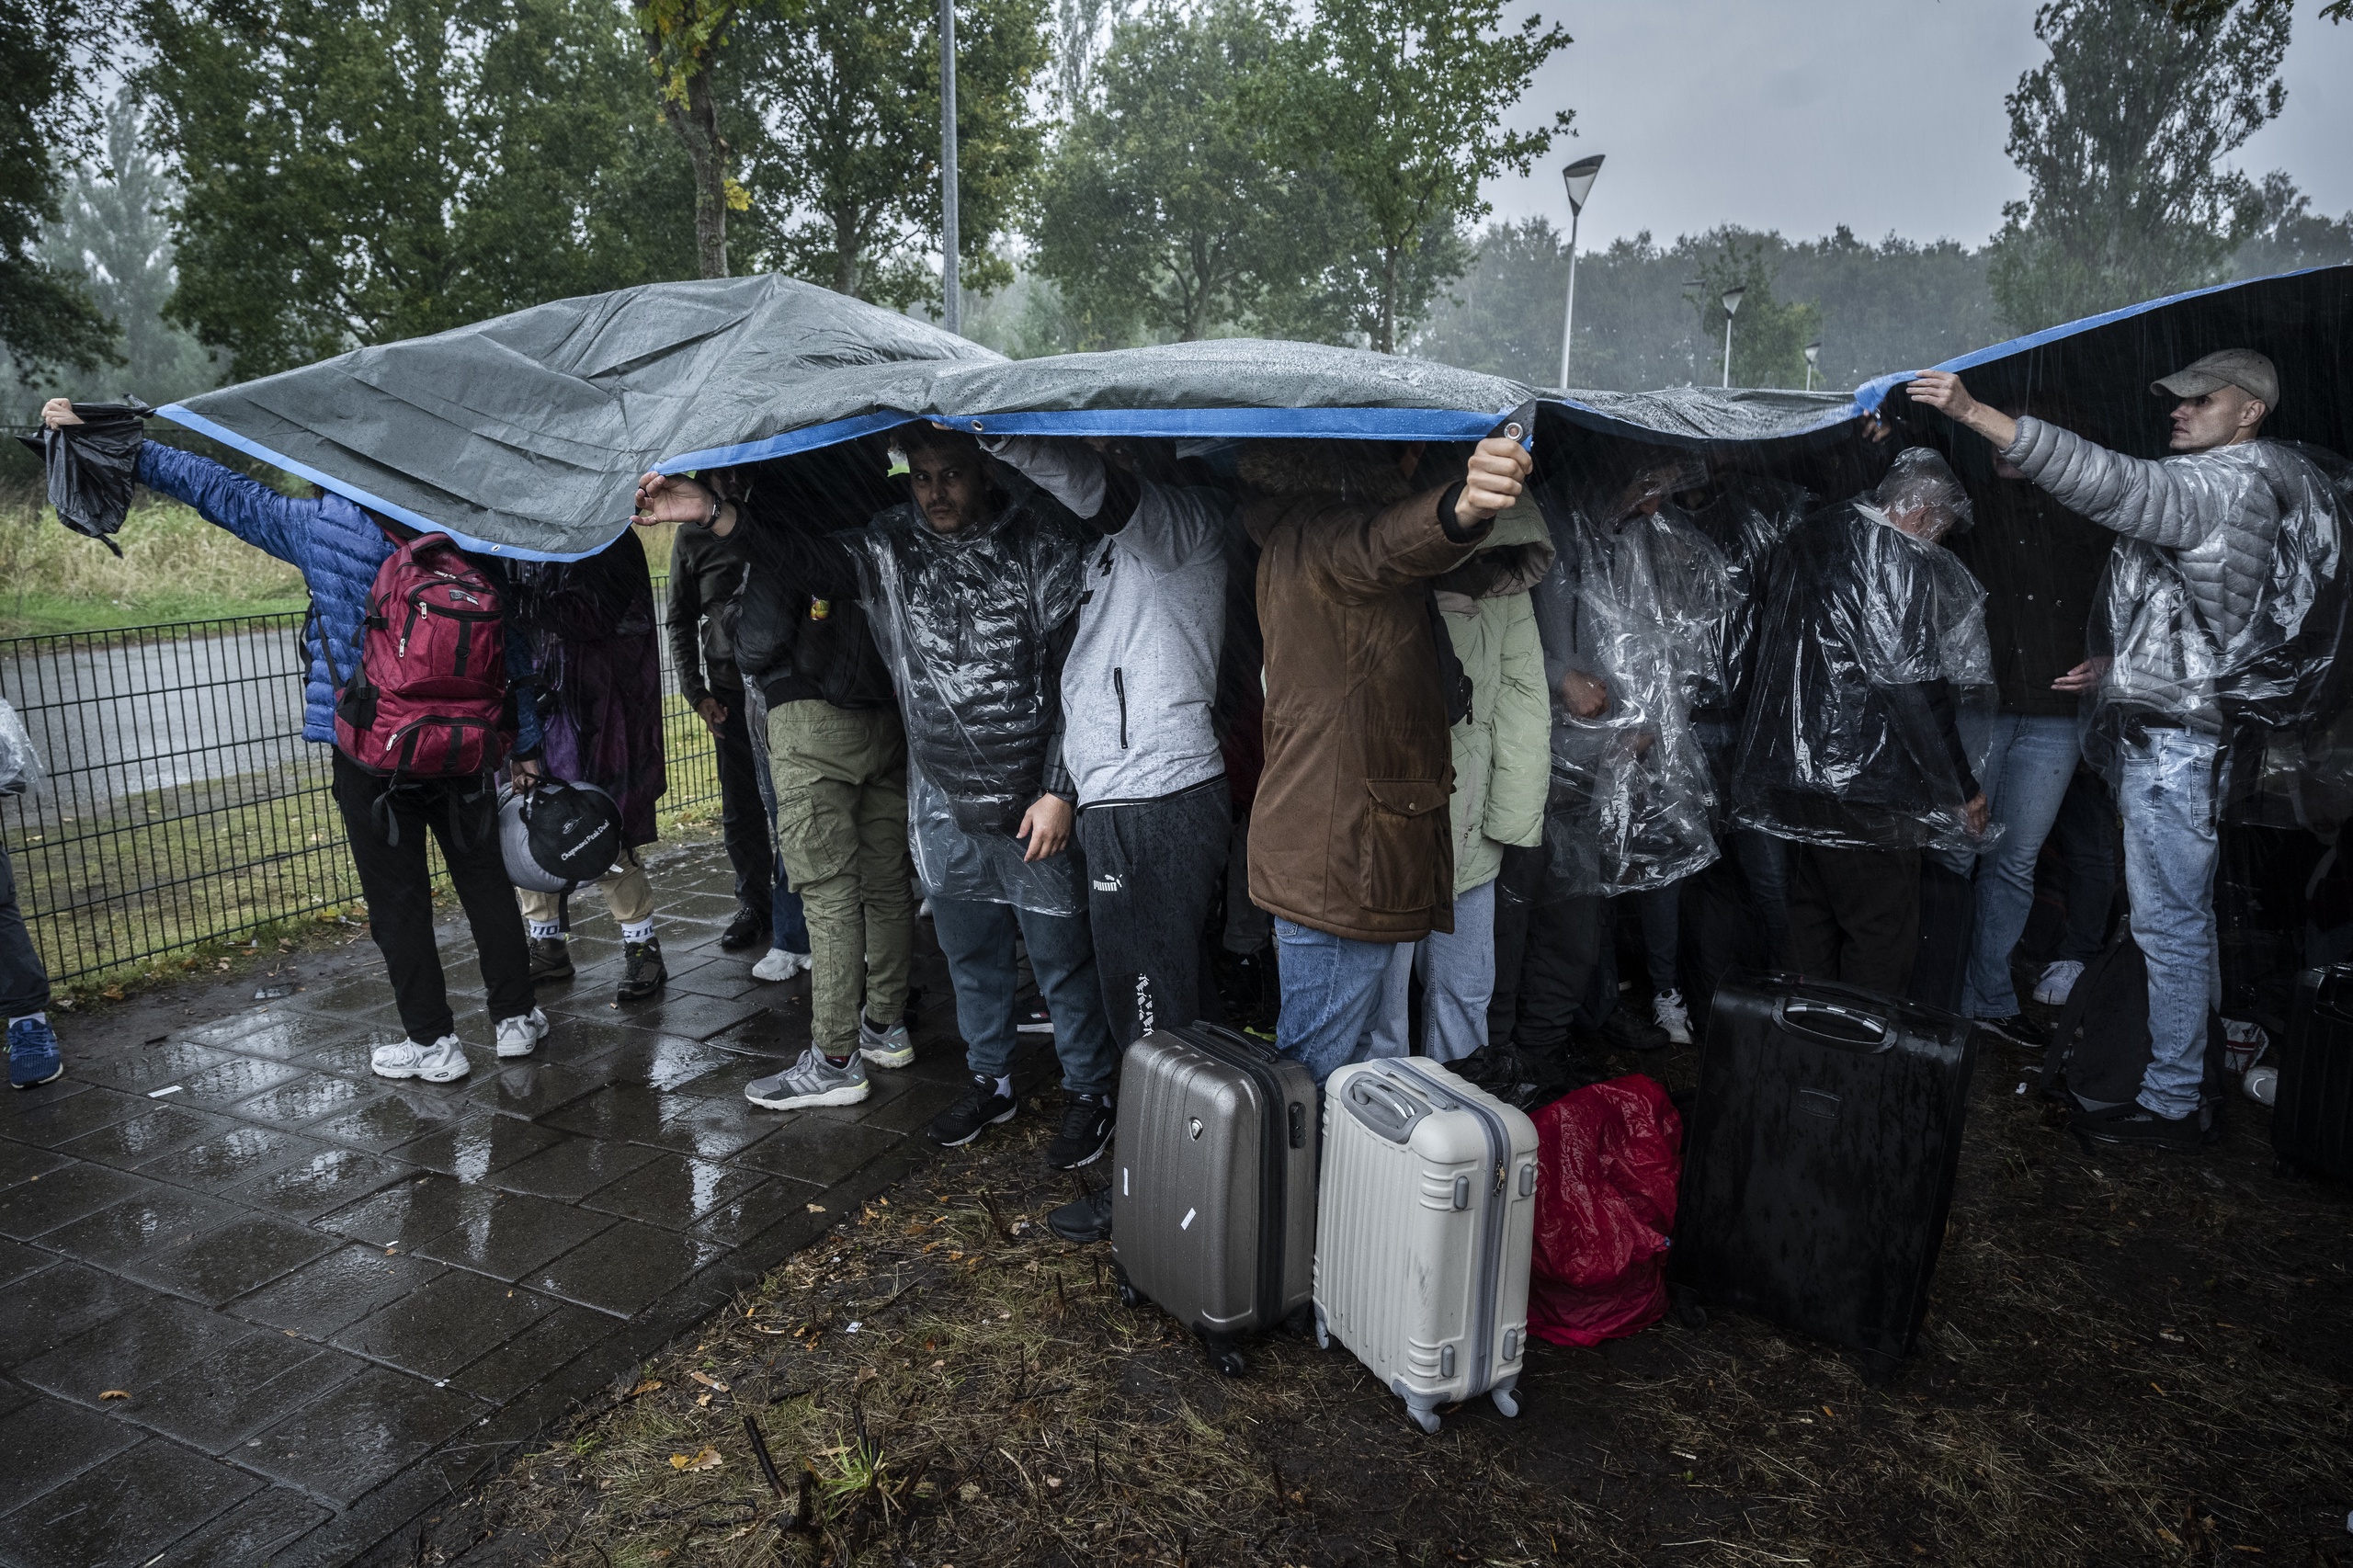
[{"x": 337, "y": 546}]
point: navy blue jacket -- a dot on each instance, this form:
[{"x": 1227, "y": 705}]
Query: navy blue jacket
[{"x": 337, "y": 548}]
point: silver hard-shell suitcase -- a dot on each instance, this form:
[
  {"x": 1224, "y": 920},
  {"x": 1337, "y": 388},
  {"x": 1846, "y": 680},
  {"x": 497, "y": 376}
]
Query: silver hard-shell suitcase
[
  {"x": 1214, "y": 1187},
  {"x": 1424, "y": 1232}
]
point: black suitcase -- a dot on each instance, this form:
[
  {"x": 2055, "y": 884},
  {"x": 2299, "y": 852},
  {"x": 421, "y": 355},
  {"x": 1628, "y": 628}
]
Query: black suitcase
[
  {"x": 1818, "y": 1160},
  {"x": 2312, "y": 1115},
  {"x": 2100, "y": 1044}
]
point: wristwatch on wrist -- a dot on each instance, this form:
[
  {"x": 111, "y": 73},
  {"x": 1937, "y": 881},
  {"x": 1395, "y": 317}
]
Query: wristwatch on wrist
[{"x": 717, "y": 501}]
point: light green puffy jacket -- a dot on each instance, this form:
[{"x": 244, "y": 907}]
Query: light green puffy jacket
[{"x": 1503, "y": 752}]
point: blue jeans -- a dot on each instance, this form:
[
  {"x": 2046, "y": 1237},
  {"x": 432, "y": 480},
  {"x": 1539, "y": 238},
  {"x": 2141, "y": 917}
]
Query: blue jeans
[
  {"x": 2027, "y": 771},
  {"x": 977, "y": 937},
  {"x": 1331, "y": 987},
  {"x": 1457, "y": 981},
  {"x": 2167, "y": 793}
]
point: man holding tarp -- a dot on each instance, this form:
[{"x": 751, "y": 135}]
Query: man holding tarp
[{"x": 2219, "y": 612}]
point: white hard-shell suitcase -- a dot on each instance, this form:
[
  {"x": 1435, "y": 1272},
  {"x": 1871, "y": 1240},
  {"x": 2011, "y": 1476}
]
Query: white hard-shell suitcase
[{"x": 1425, "y": 1222}]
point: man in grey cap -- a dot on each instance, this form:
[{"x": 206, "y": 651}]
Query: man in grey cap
[{"x": 2224, "y": 548}]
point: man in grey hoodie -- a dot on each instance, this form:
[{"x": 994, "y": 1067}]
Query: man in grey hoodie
[
  {"x": 2223, "y": 549},
  {"x": 1138, "y": 690}
]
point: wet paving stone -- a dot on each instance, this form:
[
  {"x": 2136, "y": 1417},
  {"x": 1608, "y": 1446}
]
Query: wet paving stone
[
  {"x": 236, "y": 1258},
  {"x": 815, "y": 1150},
  {"x": 452, "y": 1318},
  {"x": 907, "y": 1109},
  {"x": 347, "y": 1058},
  {"x": 478, "y": 1143},
  {"x": 23, "y": 1103},
  {"x": 141, "y": 1137},
  {"x": 22, "y": 1162},
  {"x": 42, "y": 1310},
  {"x": 51, "y": 1122},
  {"x": 251, "y": 1532},
  {"x": 530, "y": 1356},
  {"x": 334, "y": 1291},
  {"x": 410, "y": 1212},
  {"x": 282, "y": 1029},
  {"x": 725, "y": 978},
  {"x": 44, "y": 1442},
  {"x": 375, "y": 1425},
  {"x": 574, "y": 1168},
  {"x": 62, "y": 1195},
  {"x": 530, "y": 1089},
  {"x": 127, "y": 1509},
  {"x": 513, "y": 1234},
  {"x": 711, "y": 1129},
  {"x": 311, "y": 1097},
  {"x": 672, "y": 1191},
  {"x": 216, "y": 1403},
  {"x": 654, "y": 1061},
  {"x": 738, "y": 1220},
  {"x": 402, "y": 1116},
  {"x": 17, "y": 1260},
  {"x": 153, "y": 1067},
  {"x": 132, "y": 1350},
  {"x": 625, "y": 1269},
  {"x": 236, "y": 1078},
  {"x": 226, "y": 1159},
  {"x": 158, "y": 1218},
  {"x": 327, "y": 1178}
]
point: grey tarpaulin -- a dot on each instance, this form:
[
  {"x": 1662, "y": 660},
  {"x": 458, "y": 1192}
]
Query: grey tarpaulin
[{"x": 523, "y": 435}]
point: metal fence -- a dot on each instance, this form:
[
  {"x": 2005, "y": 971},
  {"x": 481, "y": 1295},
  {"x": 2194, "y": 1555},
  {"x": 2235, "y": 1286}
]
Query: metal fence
[{"x": 183, "y": 807}]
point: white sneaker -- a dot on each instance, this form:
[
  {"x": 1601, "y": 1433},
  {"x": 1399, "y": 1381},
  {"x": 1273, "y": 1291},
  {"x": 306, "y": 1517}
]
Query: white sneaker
[
  {"x": 1673, "y": 1016},
  {"x": 440, "y": 1063},
  {"x": 2058, "y": 983},
  {"x": 520, "y": 1035},
  {"x": 777, "y": 964}
]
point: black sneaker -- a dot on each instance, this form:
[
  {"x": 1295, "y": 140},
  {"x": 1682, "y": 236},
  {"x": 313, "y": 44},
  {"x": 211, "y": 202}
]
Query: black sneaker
[
  {"x": 1086, "y": 1219},
  {"x": 747, "y": 928},
  {"x": 1087, "y": 1132},
  {"x": 1624, "y": 1032},
  {"x": 1032, "y": 1017},
  {"x": 646, "y": 973},
  {"x": 2019, "y": 1029},
  {"x": 2134, "y": 1124},
  {"x": 981, "y": 1107},
  {"x": 551, "y": 959}
]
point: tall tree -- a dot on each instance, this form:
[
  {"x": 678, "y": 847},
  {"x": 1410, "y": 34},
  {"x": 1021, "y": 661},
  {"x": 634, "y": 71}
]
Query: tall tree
[
  {"x": 1768, "y": 335},
  {"x": 683, "y": 41},
  {"x": 353, "y": 173},
  {"x": 1401, "y": 100},
  {"x": 2123, "y": 134},
  {"x": 49, "y": 54},
  {"x": 1160, "y": 212},
  {"x": 841, "y": 132}
]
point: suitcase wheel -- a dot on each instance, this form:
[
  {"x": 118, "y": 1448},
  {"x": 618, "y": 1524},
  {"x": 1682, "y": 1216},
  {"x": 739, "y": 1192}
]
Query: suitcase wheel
[
  {"x": 1506, "y": 1402},
  {"x": 1224, "y": 1355},
  {"x": 1128, "y": 1295},
  {"x": 1322, "y": 1336},
  {"x": 1425, "y": 1419}
]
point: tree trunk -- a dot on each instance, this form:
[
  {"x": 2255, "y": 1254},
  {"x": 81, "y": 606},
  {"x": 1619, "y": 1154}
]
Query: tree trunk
[
  {"x": 697, "y": 123},
  {"x": 1387, "y": 342},
  {"x": 847, "y": 248}
]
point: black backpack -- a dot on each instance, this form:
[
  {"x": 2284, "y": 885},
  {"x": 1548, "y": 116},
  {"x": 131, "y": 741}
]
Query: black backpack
[{"x": 2099, "y": 1047}]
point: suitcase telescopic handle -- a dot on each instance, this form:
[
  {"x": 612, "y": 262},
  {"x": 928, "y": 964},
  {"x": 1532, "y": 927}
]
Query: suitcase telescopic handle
[
  {"x": 1384, "y": 1109},
  {"x": 1840, "y": 1027}
]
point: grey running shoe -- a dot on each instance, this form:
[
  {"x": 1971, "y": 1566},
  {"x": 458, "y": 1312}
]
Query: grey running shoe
[
  {"x": 885, "y": 1048},
  {"x": 812, "y": 1081}
]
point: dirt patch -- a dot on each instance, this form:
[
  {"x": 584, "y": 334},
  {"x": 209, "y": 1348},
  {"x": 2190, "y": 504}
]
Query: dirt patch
[{"x": 2130, "y": 1359}]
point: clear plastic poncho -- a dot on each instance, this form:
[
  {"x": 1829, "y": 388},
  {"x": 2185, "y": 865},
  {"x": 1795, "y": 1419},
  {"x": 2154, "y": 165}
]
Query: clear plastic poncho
[
  {"x": 20, "y": 769},
  {"x": 973, "y": 626},
  {"x": 1637, "y": 606},
  {"x": 2167, "y": 662},
  {"x": 1746, "y": 519},
  {"x": 1871, "y": 698}
]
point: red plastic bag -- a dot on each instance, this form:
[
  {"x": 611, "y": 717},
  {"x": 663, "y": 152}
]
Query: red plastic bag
[{"x": 1608, "y": 1157}]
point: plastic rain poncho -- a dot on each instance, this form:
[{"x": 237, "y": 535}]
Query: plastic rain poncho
[
  {"x": 1872, "y": 693},
  {"x": 1746, "y": 519},
  {"x": 2169, "y": 662},
  {"x": 973, "y": 626},
  {"x": 1638, "y": 606},
  {"x": 20, "y": 769}
]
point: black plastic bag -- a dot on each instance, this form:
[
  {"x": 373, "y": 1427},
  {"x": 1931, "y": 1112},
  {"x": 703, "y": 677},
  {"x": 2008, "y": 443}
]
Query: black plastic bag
[{"x": 94, "y": 466}]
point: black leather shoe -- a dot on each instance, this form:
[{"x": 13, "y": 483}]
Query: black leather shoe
[
  {"x": 2134, "y": 1124},
  {"x": 1086, "y": 1219},
  {"x": 2019, "y": 1029},
  {"x": 551, "y": 959},
  {"x": 646, "y": 973},
  {"x": 746, "y": 928}
]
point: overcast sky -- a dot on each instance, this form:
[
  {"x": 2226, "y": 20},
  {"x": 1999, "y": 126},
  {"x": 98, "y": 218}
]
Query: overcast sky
[{"x": 1800, "y": 115}]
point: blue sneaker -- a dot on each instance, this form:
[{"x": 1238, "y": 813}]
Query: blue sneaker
[{"x": 32, "y": 1054}]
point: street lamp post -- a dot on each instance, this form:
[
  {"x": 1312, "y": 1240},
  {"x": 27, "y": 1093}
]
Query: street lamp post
[
  {"x": 1812, "y": 362},
  {"x": 1731, "y": 308},
  {"x": 1579, "y": 177},
  {"x": 951, "y": 303}
]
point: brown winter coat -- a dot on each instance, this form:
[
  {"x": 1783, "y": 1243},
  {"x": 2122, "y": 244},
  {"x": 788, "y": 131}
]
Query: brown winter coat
[{"x": 1349, "y": 834}]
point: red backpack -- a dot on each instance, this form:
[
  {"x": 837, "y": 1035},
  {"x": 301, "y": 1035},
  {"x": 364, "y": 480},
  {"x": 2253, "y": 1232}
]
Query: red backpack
[{"x": 429, "y": 696}]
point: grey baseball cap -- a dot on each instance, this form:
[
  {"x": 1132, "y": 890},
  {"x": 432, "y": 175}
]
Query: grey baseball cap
[{"x": 2240, "y": 367}]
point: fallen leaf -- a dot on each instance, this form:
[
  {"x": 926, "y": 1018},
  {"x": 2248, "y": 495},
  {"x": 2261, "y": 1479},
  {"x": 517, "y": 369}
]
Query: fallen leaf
[
  {"x": 707, "y": 1460},
  {"x": 702, "y": 1401},
  {"x": 648, "y": 1386},
  {"x": 817, "y": 1208},
  {"x": 707, "y": 1381},
  {"x": 969, "y": 1492},
  {"x": 115, "y": 1393}
]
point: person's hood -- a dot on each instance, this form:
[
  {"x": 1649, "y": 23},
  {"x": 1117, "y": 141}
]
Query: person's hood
[{"x": 1514, "y": 558}]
